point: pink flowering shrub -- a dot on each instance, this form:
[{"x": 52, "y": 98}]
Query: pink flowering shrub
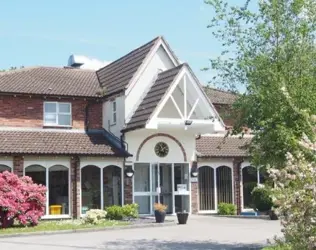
[{"x": 20, "y": 199}]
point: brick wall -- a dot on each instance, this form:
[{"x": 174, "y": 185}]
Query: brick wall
[
  {"x": 28, "y": 112},
  {"x": 194, "y": 194},
  {"x": 18, "y": 164},
  {"x": 128, "y": 190},
  {"x": 237, "y": 178},
  {"x": 75, "y": 186}
]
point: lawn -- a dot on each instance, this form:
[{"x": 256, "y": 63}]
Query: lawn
[{"x": 61, "y": 225}]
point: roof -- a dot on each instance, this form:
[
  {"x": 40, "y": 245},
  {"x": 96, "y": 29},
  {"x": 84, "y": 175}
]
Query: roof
[
  {"x": 58, "y": 143},
  {"x": 117, "y": 75},
  {"x": 218, "y": 96},
  {"x": 219, "y": 146},
  {"x": 153, "y": 98},
  {"x": 50, "y": 81}
]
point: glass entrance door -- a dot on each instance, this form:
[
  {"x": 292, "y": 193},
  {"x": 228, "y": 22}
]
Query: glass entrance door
[
  {"x": 166, "y": 183},
  {"x": 162, "y": 185}
]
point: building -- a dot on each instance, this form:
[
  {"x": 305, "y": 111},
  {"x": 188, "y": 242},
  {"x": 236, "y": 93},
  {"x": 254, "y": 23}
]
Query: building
[{"x": 83, "y": 132}]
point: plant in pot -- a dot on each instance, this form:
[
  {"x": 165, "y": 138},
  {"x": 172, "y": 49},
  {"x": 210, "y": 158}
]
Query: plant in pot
[
  {"x": 160, "y": 212},
  {"x": 182, "y": 217},
  {"x": 261, "y": 199}
]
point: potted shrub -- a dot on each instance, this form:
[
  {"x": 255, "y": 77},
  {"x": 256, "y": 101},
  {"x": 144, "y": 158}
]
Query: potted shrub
[
  {"x": 160, "y": 212},
  {"x": 226, "y": 209},
  {"x": 182, "y": 217},
  {"x": 261, "y": 198}
]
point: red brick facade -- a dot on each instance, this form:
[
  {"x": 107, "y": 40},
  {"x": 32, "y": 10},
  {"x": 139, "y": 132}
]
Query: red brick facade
[{"x": 22, "y": 111}]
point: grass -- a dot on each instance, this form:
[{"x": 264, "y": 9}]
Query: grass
[{"x": 60, "y": 225}]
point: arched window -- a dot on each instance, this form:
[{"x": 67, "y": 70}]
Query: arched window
[
  {"x": 4, "y": 168},
  {"x": 206, "y": 188},
  {"x": 224, "y": 185},
  {"x": 112, "y": 186}
]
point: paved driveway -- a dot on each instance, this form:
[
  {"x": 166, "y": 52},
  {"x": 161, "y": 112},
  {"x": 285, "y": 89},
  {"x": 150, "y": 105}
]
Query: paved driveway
[{"x": 201, "y": 232}]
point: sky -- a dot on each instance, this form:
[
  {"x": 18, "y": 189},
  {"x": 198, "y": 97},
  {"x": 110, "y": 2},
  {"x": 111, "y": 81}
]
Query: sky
[{"x": 46, "y": 33}]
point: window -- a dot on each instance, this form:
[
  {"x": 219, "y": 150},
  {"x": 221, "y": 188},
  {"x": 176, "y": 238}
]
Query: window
[
  {"x": 57, "y": 114},
  {"x": 114, "y": 112}
]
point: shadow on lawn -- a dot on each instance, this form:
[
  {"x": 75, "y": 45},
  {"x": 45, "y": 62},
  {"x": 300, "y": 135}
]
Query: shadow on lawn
[{"x": 145, "y": 245}]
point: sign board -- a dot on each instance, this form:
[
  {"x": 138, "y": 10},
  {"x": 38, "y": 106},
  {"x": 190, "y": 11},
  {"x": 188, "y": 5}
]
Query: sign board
[
  {"x": 182, "y": 188},
  {"x": 194, "y": 179}
]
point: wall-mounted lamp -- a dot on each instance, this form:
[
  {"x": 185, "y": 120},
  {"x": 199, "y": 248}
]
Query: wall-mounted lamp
[
  {"x": 129, "y": 172},
  {"x": 188, "y": 122},
  {"x": 194, "y": 170}
]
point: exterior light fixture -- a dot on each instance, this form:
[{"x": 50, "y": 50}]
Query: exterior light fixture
[
  {"x": 129, "y": 172},
  {"x": 194, "y": 170},
  {"x": 188, "y": 122}
]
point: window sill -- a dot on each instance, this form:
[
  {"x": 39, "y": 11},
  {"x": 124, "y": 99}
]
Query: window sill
[
  {"x": 113, "y": 124},
  {"x": 57, "y": 216},
  {"x": 57, "y": 126}
]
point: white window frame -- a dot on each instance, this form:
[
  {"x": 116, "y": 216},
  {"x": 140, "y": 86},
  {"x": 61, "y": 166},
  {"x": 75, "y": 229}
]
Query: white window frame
[
  {"x": 57, "y": 113},
  {"x": 114, "y": 112}
]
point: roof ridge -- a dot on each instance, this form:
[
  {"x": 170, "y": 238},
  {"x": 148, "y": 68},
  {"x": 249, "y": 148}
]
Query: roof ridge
[
  {"x": 132, "y": 51},
  {"x": 220, "y": 90},
  {"x": 7, "y": 72}
]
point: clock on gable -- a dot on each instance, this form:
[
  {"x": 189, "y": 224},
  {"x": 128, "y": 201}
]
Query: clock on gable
[{"x": 161, "y": 149}]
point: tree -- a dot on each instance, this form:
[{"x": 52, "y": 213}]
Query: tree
[
  {"x": 269, "y": 50},
  {"x": 20, "y": 199}
]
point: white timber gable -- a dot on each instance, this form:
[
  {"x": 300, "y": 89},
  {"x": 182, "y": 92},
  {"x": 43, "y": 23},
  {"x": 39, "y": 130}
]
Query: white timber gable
[{"x": 186, "y": 105}]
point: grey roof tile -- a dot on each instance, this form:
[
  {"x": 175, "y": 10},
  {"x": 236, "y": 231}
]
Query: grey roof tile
[
  {"x": 116, "y": 76},
  {"x": 153, "y": 98}
]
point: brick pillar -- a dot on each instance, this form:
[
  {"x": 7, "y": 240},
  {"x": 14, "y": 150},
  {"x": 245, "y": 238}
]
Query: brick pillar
[
  {"x": 75, "y": 186},
  {"x": 128, "y": 190},
  {"x": 237, "y": 193},
  {"x": 18, "y": 165},
  {"x": 194, "y": 193}
]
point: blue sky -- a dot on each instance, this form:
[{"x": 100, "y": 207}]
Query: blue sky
[{"x": 37, "y": 32}]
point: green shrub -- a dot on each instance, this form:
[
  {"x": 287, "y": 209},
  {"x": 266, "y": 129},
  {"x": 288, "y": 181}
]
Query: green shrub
[
  {"x": 261, "y": 199},
  {"x": 226, "y": 209},
  {"x": 120, "y": 212},
  {"x": 130, "y": 210}
]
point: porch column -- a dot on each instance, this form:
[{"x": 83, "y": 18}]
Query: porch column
[
  {"x": 237, "y": 175},
  {"x": 75, "y": 186},
  {"x": 128, "y": 190},
  {"x": 194, "y": 193},
  {"x": 18, "y": 164}
]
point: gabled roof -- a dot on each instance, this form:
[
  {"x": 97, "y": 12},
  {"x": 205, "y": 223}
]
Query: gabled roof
[
  {"x": 152, "y": 99},
  {"x": 218, "y": 96},
  {"x": 116, "y": 76},
  {"x": 219, "y": 146},
  {"x": 59, "y": 143},
  {"x": 50, "y": 81}
]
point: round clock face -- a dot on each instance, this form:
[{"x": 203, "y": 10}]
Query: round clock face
[{"x": 161, "y": 149}]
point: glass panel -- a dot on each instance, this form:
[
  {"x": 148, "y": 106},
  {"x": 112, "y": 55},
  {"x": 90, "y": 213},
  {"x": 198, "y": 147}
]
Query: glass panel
[
  {"x": 224, "y": 185},
  {"x": 142, "y": 177},
  {"x": 182, "y": 203},
  {"x": 206, "y": 188},
  {"x": 64, "y": 120},
  {"x": 64, "y": 108},
  {"x": 181, "y": 176},
  {"x": 50, "y": 107},
  {"x": 165, "y": 172},
  {"x": 90, "y": 188},
  {"x": 154, "y": 178},
  {"x": 249, "y": 181},
  {"x": 59, "y": 190},
  {"x": 112, "y": 188},
  {"x": 37, "y": 173},
  {"x": 144, "y": 204},
  {"x": 4, "y": 168},
  {"x": 50, "y": 118}
]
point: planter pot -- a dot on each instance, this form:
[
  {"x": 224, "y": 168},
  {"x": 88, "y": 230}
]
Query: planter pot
[
  {"x": 272, "y": 215},
  {"x": 160, "y": 216},
  {"x": 182, "y": 218}
]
